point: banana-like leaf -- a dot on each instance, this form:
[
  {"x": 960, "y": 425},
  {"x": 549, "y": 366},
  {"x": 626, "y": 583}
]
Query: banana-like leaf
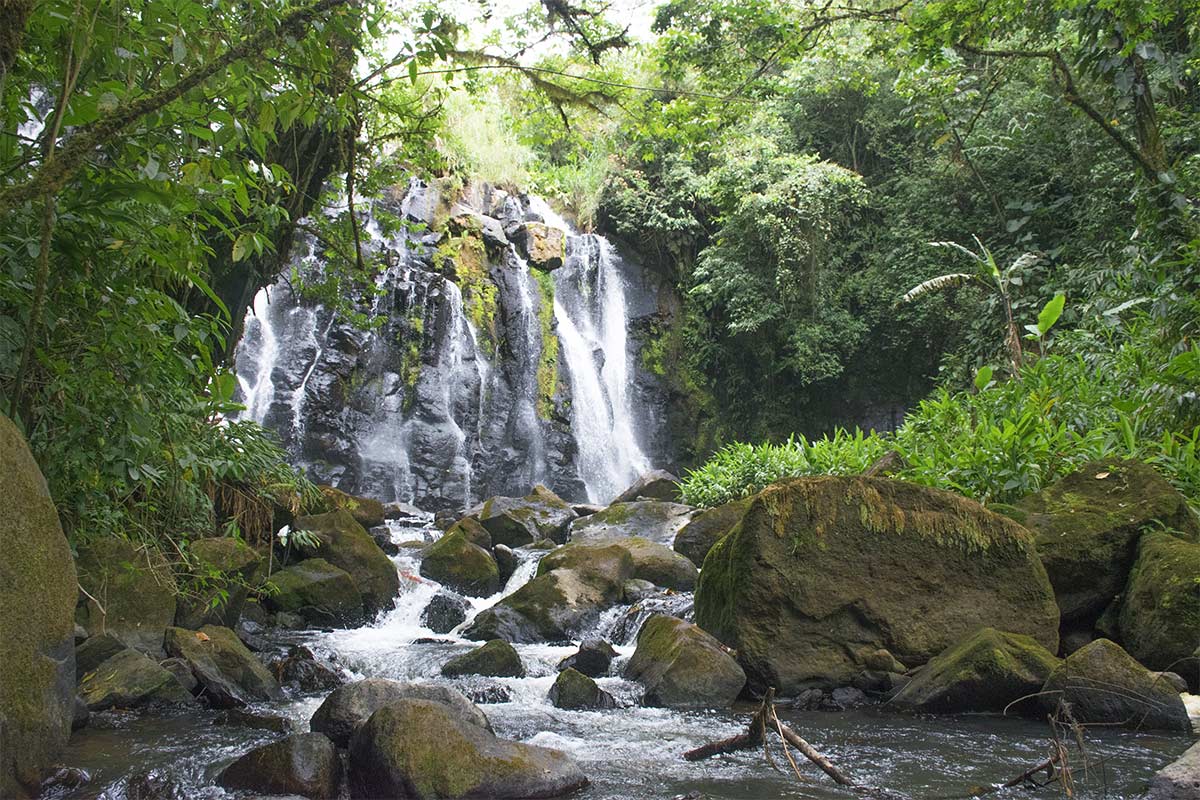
[{"x": 934, "y": 284}]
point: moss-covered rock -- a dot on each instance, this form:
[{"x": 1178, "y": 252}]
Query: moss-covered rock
[
  {"x": 659, "y": 564},
  {"x": 366, "y": 511},
  {"x": 819, "y": 570},
  {"x": 94, "y": 651},
  {"x": 305, "y": 764},
  {"x": 417, "y": 749},
  {"x": 705, "y": 529},
  {"x": 681, "y": 666},
  {"x": 986, "y": 671},
  {"x": 574, "y": 690},
  {"x": 456, "y": 562},
  {"x": 1103, "y": 684},
  {"x": 37, "y": 599},
  {"x": 229, "y": 675},
  {"x": 318, "y": 591},
  {"x": 657, "y": 484},
  {"x": 655, "y": 520},
  {"x": 132, "y": 592},
  {"x": 225, "y": 567},
  {"x": 346, "y": 544},
  {"x": 544, "y": 247},
  {"x": 496, "y": 659},
  {"x": 130, "y": 680},
  {"x": 516, "y": 521},
  {"x": 1088, "y": 525},
  {"x": 348, "y": 707},
  {"x": 1160, "y": 610}
]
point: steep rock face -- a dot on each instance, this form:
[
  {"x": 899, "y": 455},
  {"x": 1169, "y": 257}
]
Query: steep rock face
[
  {"x": 821, "y": 570},
  {"x": 37, "y": 599},
  {"x": 695, "y": 539},
  {"x": 134, "y": 591}
]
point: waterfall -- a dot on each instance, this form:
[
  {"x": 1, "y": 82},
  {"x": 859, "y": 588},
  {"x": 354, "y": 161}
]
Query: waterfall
[
  {"x": 526, "y": 425},
  {"x": 259, "y": 329}
]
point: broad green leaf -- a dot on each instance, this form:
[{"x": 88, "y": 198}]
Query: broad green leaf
[
  {"x": 1050, "y": 314},
  {"x": 983, "y": 378}
]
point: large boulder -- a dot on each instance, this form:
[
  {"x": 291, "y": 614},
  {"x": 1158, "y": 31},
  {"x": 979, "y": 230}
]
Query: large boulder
[
  {"x": 38, "y": 590},
  {"x": 130, "y": 592},
  {"x": 656, "y": 484},
  {"x": 305, "y": 764},
  {"x": 229, "y": 675},
  {"x": 1179, "y": 780},
  {"x": 444, "y": 612},
  {"x": 593, "y": 658},
  {"x": 516, "y": 521},
  {"x": 225, "y": 568},
  {"x": 681, "y": 666},
  {"x": 419, "y": 749},
  {"x": 94, "y": 651},
  {"x": 1103, "y": 684},
  {"x": 659, "y": 564},
  {"x": 1160, "y": 610},
  {"x": 496, "y": 659},
  {"x": 348, "y": 707},
  {"x": 705, "y": 529},
  {"x": 574, "y": 690},
  {"x": 318, "y": 591},
  {"x": 655, "y": 520},
  {"x": 821, "y": 570},
  {"x": 346, "y": 544},
  {"x": 1088, "y": 525},
  {"x": 545, "y": 247},
  {"x": 130, "y": 680},
  {"x": 458, "y": 563},
  {"x": 366, "y": 511},
  {"x": 986, "y": 671}
]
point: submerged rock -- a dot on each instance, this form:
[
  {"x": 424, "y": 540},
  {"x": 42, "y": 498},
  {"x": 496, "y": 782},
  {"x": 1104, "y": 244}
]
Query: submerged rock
[
  {"x": 418, "y": 749},
  {"x": 705, "y": 529},
  {"x": 593, "y": 658},
  {"x": 657, "y": 484},
  {"x": 344, "y": 543},
  {"x": 655, "y": 520},
  {"x": 228, "y": 567},
  {"x": 306, "y": 764},
  {"x": 460, "y": 564},
  {"x": 1179, "y": 780},
  {"x": 444, "y": 613},
  {"x": 130, "y": 680},
  {"x": 496, "y": 659},
  {"x": 229, "y": 674},
  {"x": 574, "y": 690},
  {"x": 1160, "y": 610},
  {"x": 319, "y": 592},
  {"x": 821, "y": 570},
  {"x": 136, "y": 588},
  {"x": 681, "y": 666},
  {"x": 516, "y": 521},
  {"x": 349, "y": 706}
]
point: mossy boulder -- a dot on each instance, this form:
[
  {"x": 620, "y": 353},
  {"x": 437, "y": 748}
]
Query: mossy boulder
[
  {"x": 132, "y": 592},
  {"x": 696, "y": 538},
  {"x": 574, "y": 690},
  {"x": 38, "y": 591},
  {"x": 229, "y": 675},
  {"x": 346, "y": 544},
  {"x": 820, "y": 570},
  {"x": 305, "y": 764},
  {"x": 319, "y": 592},
  {"x": 659, "y": 564},
  {"x": 130, "y": 679},
  {"x": 1160, "y": 610},
  {"x": 225, "y": 568},
  {"x": 544, "y": 247},
  {"x": 1088, "y": 526},
  {"x": 516, "y": 521},
  {"x": 94, "y": 651},
  {"x": 418, "y": 749},
  {"x": 655, "y": 520},
  {"x": 459, "y": 564},
  {"x": 657, "y": 484},
  {"x": 366, "y": 511},
  {"x": 1104, "y": 684},
  {"x": 681, "y": 666},
  {"x": 986, "y": 671},
  {"x": 348, "y": 707},
  {"x": 495, "y": 659}
]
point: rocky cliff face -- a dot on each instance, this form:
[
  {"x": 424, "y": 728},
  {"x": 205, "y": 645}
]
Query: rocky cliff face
[{"x": 496, "y": 353}]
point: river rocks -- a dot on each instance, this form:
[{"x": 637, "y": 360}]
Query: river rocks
[
  {"x": 444, "y": 613},
  {"x": 349, "y": 706},
  {"x": 593, "y": 658},
  {"x": 574, "y": 690},
  {"x": 496, "y": 659},
  {"x": 95, "y": 651},
  {"x": 460, "y": 564},
  {"x": 516, "y": 521},
  {"x": 1104, "y": 684},
  {"x": 134, "y": 586},
  {"x": 1160, "y": 610},
  {"x": 306, "y": 764},
  {"x": 38, "y": 591},
  {"x": 229, "y": 674},
  {"x": 544, "y": 247},
  {"x": 319, "y": 592},
  {"x": 506, "y": 561},
  {"x": 1179, "y": 780},
  {"x": 301, "y": 669},
  {"x": 655, "y": 520},
  {"x": 705, "y": 529},
  {"x": 227, "y": 566},
  {"x": 365, "y": 510},
  {"x": 130, "y": 680},
  {"x": 418, "y": 749},
  {"x": 1088, "y": 525},
  {"x": 657, "y": 484},
  {"x": 986, "y": 671},
  {"x": 681, "y": 666},
  {"x": 820, "y": 570},
  {"x": 345, "y": 544},
  {"x": 659, "y": 564}
]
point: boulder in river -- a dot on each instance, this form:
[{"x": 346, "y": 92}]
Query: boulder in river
[
  {"x": 696, "y": 538},
  {"x": 593, "y": 658},
  {"x": 659, "y": 564},
  {"x": 681, "y": 666},
  {"x": 1179, "y": 780},
  {"x": 319, "y": 592},
  {"x": 496, "y": 659},
  {"x": 94, "y": 651},
  {"x": 346, "y": 544},
  {"x": 303, "y": 670},
  {"x": 516, "y": 521},
  {"x": 135, "y": 589},
  {"x": 656, "y": 520},
  {"x": 349, "y": 706},
  {"x": 445, "y": 612},
  {"x": 657, "y": 484},
  {"x": 227, "y": 566},
  {"x": 130, "y": 679},
  {"x": 38, "y": 591},
  {"x": 459, "y": 564},
  {"x": 820, "y": 570},
  {"x": 366, "y": 511},
  {"x": 1160, "y": 609},
  {"x": 574, "y": 690},
  {"x": 420, "y": 749},
  {"x": 305, "y": 764},
  {"x": 229, "y": 675},
  {"x": 1103, "y": 684},
  {"x": 985, "y": 671}
]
